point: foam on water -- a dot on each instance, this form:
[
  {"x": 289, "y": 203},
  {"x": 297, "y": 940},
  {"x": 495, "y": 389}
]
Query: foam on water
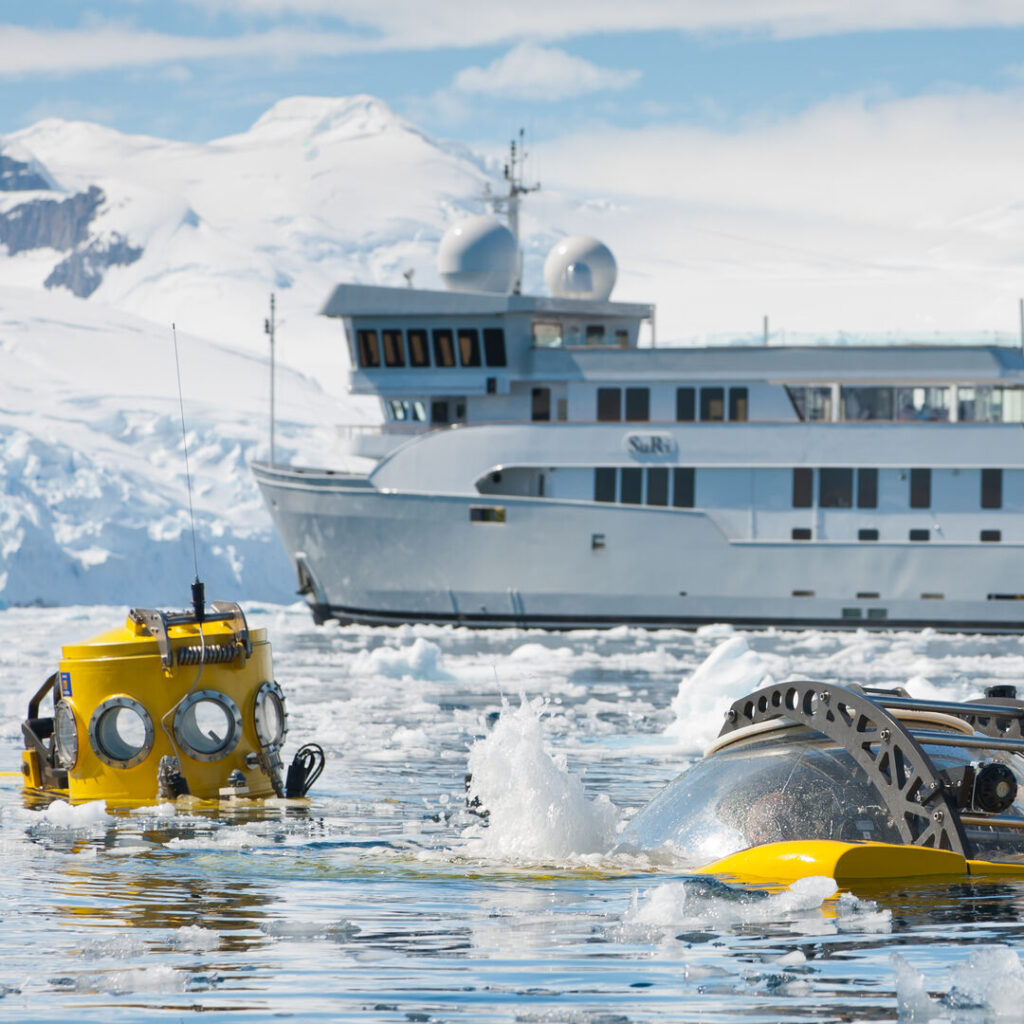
[
  {"x": 538, "y": 810},
  {"x": 989, "y": 983},
  {"x": 74, "y": 816}
]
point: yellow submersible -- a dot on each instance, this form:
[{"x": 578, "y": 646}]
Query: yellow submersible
[{"x": 170, "y": 704}]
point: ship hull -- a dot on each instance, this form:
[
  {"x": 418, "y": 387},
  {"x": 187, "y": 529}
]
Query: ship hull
[{"x": 387, "y": 557}]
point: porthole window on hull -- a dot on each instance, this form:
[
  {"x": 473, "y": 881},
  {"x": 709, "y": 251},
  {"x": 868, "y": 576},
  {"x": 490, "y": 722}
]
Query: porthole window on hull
[
  {"x": 269, "y": 715},
  {"x": 65, "y": 735},
  {"x": 121, "y": 732},
  {"x": 207, "y": 725}
]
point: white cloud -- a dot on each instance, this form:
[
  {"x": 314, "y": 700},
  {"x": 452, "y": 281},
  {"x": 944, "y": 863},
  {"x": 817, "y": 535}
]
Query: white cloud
[
  {"x": 532, "y": 72},
  {"x": 337, "y": 27},
  {"x": 460, "y": 23}
]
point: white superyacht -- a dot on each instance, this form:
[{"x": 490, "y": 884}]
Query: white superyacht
[{"x": 538, "y": 467}]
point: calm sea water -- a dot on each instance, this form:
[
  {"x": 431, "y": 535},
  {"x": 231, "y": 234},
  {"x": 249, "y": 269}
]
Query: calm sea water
[{"x": 379, "y": 902}]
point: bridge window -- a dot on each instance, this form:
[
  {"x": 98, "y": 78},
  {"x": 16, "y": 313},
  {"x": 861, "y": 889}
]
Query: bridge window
[
  {"x": 547, "y": 333},
  {"x": 638, "y": 404},
  {"x": 494, "y": 346},
  {"x": 813, "y": 404},
  {"x": 444, "y": 347},
  {"x": 595, "y": 334},
  {"x": 419, "y": 351},
  {"x": 394, "y": 348},
  {"x": 685, "y": 405},
  {"x": 712, "y": 404},
  {"x": 469, "y": 346},
  {"x": 866, "y": 403},
  {"x": 738, "y": 404},
  {"x": 991, "y": 488},
  {"x": 920, "y": 488},
  {"x": 609, "y": 405},
  {"x": 369, "y": 348}
]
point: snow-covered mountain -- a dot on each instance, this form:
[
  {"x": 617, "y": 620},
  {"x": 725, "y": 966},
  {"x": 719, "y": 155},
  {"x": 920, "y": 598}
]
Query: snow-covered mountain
[{"x": 109, "y": 239}]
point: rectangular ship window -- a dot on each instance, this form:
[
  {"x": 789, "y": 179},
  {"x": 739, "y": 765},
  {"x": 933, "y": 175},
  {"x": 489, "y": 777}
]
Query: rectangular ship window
[
  {"x": 933, "y": 597},
  {"x": 738, "y": 404},
  {"x": 595, "y": 334},
  {"x": 632, "y": 485},
  {"x": 394, "y": 348},
  {"x": 920, "y": 488},
  {"x": 622, "y": 338},
  {"x": 444, "y": 347},
  {"x": 657, "y": 485},
  {"x": 803, "y": 593},
  {"x": 547, "y": 333},
  {"x": 991, "y": 488},
  {"x": 486, "y": 514},
  {"x": 801, "y": 533},
  {"x": 852, "y": 613},
  {"x": 682, "y": 487},
  {"x": 604, "y": 484},
  {"x": 1006, "y": 597},
  {"x": 920, "y": 535},
  {"x": 638, "y": 404},
  {"x": 867, "y": 488},
  {"x": 439, "y": 411},
  {"x": 803, "y": 487},
  {"x": 609, "y": 405},
  {"x": 494, "y": 346},
  {"x": 540, "y": 405},
  {"x": 469, "y": 346},
  {"x": 686, "y": 406},
  {"x": 369, "y": 349},
  {"x": 867, "y": 595},
  {"x": 867, "y": 534},
  {"x": 878, "y": 613},
  {"x": 991, "y": 536},
  {"x": 835, "y": 488},
  {"x": 712, "y": 404},
  {"x": 419, "y": 351}
]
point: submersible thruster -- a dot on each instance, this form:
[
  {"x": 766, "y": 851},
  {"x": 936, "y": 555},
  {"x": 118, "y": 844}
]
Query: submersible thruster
[{"x": 172, "y": 703}]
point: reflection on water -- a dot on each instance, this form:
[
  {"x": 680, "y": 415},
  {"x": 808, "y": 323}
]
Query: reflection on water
[{"x": 372, "y": 903}]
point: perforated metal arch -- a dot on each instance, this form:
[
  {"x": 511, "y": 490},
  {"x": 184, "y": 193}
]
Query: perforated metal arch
[{"x": 915, "y": 793}]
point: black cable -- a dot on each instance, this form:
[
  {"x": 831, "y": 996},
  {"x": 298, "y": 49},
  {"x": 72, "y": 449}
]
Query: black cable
[{"x": 304, "y": 770}]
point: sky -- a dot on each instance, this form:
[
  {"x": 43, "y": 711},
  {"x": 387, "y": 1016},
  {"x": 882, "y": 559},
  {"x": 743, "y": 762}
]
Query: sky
[{"x": 856, "y": 145}]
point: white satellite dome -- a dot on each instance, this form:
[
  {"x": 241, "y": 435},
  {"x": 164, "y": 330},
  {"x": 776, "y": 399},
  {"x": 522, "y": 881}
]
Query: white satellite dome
[
  {"x": 478, "y": 254},
  {"x": 580, "y": 267}
]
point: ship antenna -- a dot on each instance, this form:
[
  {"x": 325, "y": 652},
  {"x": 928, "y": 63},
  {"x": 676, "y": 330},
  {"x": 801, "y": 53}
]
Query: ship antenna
[
  {"x": 198, "y": 590},
  {"x": 509, "y": 204}
]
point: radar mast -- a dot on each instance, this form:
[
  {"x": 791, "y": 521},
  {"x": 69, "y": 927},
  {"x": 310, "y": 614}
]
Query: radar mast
[{"x": 509, "y": 204}]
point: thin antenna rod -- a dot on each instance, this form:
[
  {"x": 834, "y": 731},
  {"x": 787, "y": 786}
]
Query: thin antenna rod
[
  {"x": 184, "y": 441},
  {"x": 269, "y": 328}
]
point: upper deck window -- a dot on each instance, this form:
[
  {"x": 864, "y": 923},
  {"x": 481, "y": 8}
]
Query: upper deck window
[
  {"x": 638, "y": 404},
  {"x": 547, "y": 333},
  {"x": 394, "y": 348},
  {"x": 494, "y": 346},
  {"x": 469, "y": 346},
  {"x": 712, "y": 404},
  {"x": 812, "y": 404},
  {"x": 803, "y": 487},
  {"x": 609, "y": 404},
  {"x": 928, "y": 404},
  {"x": 920, "y": 488},
  {"x": 540, "y": 405},
  {"x": 595, "y": 334},
  {"x": 419, "y": 350},
  {"x": 991, "y": 405},
  {"x": 686, "y": 405},
  {"x": 622, "y": 338},
  {"x": 867, "y": 488},
  {"x": 991, "y": 488},
  {"x": 866, "y": 403},
  {"x": 738, "y": 404},
  {"x": 444, "y": 347},
  {"x": 369, "y": 348},
  {"x": 835, "y": 487}
]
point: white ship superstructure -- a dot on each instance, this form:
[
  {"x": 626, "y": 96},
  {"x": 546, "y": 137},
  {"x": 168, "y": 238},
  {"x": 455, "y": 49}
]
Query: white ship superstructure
[{"x": 538, "y": 467}]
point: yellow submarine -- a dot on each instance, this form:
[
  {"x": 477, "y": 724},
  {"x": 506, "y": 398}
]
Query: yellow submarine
[
  {"x": 171, "y": 704},
  {"x": 863, "y": 785}
]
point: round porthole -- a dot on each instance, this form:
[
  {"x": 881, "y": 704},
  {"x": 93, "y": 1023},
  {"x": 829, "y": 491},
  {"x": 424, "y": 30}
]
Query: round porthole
[
  {"x": 269, "y": 715},
  {"x": 207, "y": 725},
  {"x": 121, "y": 732},
  {"x": 65, "y": 735}
]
